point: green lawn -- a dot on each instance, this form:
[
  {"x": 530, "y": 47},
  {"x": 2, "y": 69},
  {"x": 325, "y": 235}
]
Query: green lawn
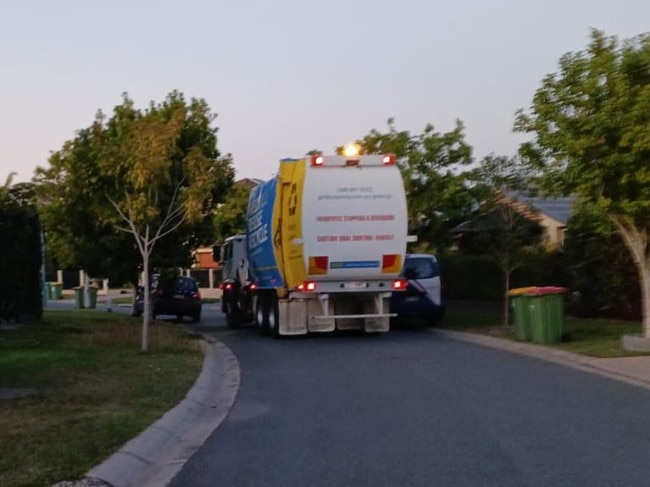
[
  {"x": 129, "y": 300},
  {"x": 92, "y": 390},
  {"x": 593, "y": 337}
]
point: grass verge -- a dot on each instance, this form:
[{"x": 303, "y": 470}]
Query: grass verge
[
  {"x": 92, "y": 390},
  {"x": 592, "y": 337},
  {"x": 129, "y": 300}
]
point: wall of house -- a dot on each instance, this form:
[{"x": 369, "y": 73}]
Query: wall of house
[
  {"x": 204, "y": 260},
  {"x": 554, "y": 231}
]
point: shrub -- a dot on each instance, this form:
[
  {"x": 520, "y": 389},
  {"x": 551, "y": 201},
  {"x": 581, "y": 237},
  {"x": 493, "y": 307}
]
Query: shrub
[{"x": 20, "y": 256}]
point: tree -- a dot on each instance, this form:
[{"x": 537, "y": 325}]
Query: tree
[
  {"x": 600, "y": 267},
  {"x": 231, "y": 217},
  {"x": 20, "y": 253},
  {"x": 502, "y": 227},
  {"x": 431, "y": 163},
  {"x": 138, "y": 181},
  {"x": 591, "y": 138},
  {"x": 7, "y": 185}
]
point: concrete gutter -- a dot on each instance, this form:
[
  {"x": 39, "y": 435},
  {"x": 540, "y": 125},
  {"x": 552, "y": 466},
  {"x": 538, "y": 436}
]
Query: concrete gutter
[{"x": 155, "y": 456}]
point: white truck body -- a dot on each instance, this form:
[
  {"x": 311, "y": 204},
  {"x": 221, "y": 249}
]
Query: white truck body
[{"x": 325, "y": 244}]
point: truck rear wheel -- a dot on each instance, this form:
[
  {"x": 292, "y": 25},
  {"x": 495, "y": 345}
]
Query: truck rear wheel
[
  {"x": 273, "y": 315},
  {"x": 231, "y": 312},
  {"x": 232, "y": 320},
  {"x": 261, "y": 314}
]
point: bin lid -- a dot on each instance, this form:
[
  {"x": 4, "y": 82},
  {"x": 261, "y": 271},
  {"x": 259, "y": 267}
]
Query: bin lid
[
  {"x": 519, "y": 291},
  {"x": 537, "y": 291}
]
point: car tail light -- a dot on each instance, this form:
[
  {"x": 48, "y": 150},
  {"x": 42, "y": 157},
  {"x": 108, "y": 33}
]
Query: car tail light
[
  {"x": 317, "y": 160},
  {"x": 309, "y": 286},
  {"x": 227, "y": 286},
  {"x": 252, "y": 286},
  {"x": 399, "y": 284},
  {"x": 197, "y": 294}
]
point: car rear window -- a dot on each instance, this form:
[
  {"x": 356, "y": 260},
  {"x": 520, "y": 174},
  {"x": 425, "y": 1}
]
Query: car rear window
[
  {"x": 421, "y": 267},
  {"x": 186, "y": 284}
]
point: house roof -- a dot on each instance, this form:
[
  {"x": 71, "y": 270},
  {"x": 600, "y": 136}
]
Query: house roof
[
  {"x": 248, "y": 182},
  {"x": 560, "y": 209}
]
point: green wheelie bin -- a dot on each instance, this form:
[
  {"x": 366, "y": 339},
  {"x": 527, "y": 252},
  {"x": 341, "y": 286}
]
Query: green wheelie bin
[
  {"x": 520, "y": 302},
  {"x": 546, "y": 306},
  {"x": 78, "y": 297},
  {"x": 92, "y": 297}
]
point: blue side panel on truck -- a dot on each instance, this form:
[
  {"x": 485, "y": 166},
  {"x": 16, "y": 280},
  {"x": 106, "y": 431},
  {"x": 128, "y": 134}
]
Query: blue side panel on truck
[{"x": 260, "y": 232}]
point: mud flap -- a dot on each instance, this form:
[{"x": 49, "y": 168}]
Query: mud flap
[{"x": 292, "y": 316}]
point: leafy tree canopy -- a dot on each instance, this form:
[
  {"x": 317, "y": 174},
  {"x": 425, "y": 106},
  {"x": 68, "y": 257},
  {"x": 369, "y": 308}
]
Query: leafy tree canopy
[
  {"x": 591, "y": 127},
  {"x": 432, "y": 165},
  {"x": 135, "y": 170},
  {"x": 590, "y": 122},
  {"x": 231, "y": 217}
]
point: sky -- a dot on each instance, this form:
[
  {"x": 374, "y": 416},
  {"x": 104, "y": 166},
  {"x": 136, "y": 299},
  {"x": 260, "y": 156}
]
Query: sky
[{"x": 288, "y": 76}]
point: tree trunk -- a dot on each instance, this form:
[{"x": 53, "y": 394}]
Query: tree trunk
[
  {"x": 644, "y": 272},
  {"x": 147, "y": 303},
  {"x": 506, "y": 303},
  {"x": 636, "y": 241}
]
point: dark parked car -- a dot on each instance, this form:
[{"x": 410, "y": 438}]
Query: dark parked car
[
  {"x": 180, "y": 298},
  {"x": 422, "y": 298}
]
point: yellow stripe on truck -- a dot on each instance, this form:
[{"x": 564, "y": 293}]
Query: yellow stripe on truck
[{"x": 292, "y": 181}]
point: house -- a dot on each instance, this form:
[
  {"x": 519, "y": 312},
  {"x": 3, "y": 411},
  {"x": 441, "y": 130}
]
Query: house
[
  {"x": 552, "y": 214},
  {"x": 249, "y": 182},
  {"x": 203, "y": 259}
]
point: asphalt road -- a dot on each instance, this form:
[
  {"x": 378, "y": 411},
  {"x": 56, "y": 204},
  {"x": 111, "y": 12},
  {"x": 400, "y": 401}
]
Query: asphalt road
[{"x": 415, "y": 409}]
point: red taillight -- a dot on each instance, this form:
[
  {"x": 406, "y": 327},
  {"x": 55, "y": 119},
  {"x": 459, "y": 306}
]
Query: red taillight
[
  {"x": 388, "y": 159},
  {"x": 252, "y": 286},
  {"x": 227, "y": 286},
  {"x": 220, "y": 286},
  {"x": 197, "y": 295},
  {"x": 317, "y": 160},
  {"x": 399, "y": 285},
  {"x": 308, "y": 286}
]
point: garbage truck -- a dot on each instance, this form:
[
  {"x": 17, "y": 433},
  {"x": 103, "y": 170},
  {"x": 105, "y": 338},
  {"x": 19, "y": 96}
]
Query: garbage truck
[{"x": 324, "y": 245}]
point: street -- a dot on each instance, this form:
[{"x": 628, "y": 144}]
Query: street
[{"x": 413, "y": 408}]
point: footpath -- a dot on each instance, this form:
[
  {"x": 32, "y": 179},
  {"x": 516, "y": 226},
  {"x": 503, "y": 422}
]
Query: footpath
[{"x": 633, "y": 370}]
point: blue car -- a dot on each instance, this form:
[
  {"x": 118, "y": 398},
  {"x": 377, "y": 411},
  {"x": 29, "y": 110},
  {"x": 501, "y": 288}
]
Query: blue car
[{"x": 180, "y": 298}]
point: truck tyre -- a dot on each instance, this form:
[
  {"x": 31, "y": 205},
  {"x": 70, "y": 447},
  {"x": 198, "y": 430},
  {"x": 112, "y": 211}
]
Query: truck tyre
[
  {"x": 261, "y": 314},
  {"x": 273, "y": 315},
  {"x": 232, "y": 320},
  {"x": 231, "y": 312}
]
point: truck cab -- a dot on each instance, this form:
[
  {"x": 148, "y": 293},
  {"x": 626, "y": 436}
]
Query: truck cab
[{"x": 236, "y": 286}]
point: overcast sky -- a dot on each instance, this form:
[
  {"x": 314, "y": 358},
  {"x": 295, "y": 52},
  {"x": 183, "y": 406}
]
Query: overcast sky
[{"x": 287, "y": 76}]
